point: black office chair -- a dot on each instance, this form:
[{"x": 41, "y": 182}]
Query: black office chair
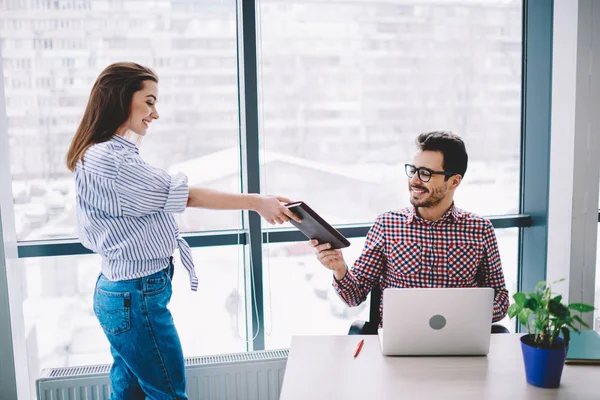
[{"x": 370, "y": 327}]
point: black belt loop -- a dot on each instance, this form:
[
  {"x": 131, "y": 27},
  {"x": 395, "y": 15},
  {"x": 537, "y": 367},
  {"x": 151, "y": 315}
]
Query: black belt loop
[{"x": 169, "y": 267}]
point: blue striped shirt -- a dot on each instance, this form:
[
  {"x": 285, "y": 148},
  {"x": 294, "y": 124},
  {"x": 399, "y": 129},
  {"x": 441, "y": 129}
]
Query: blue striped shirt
[{"x": 125, "y": 211}]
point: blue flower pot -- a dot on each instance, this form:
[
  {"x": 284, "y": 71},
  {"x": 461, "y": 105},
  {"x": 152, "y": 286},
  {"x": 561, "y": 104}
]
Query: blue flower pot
[{"x": 543, "y": 367}]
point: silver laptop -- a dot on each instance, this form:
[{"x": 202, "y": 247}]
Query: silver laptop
[{"x": 437, "y": 321}]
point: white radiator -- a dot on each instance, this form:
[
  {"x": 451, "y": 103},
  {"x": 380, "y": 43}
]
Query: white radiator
[{"x": 253, "y": 375}]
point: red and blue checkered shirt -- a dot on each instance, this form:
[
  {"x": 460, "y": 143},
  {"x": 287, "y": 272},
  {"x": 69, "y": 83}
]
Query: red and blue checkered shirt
[{"x": 403, "y": 250}]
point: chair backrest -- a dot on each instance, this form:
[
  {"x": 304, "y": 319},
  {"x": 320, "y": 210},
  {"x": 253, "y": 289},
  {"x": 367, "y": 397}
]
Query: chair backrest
[{"x": 374, "y": 314}]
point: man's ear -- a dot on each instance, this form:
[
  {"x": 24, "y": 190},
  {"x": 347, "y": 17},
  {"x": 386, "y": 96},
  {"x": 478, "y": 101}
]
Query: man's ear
[{"x": 456, "y": 180}]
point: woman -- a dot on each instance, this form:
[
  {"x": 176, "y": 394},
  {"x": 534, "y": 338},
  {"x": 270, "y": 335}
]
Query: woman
[{"x": 125, "y": 213}]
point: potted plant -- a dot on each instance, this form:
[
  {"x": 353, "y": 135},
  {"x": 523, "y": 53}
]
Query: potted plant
[{"x": 548, "y": 323}]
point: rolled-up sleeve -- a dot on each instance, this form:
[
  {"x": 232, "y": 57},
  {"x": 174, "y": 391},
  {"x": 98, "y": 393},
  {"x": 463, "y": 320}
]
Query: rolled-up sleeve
[
  {"x": 178, "y": 194},
  {"x": 143, "y": 189}
]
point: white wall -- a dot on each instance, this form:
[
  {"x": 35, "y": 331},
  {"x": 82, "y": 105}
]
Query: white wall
[{"x": 575, "y": 145}]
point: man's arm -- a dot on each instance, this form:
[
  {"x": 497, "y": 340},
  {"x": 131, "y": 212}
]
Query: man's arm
[
  {"x": 354, "y": 284},
  {"x": 491, "y": 274}
]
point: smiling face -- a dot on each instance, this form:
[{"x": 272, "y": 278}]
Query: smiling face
[
  {"x": 432, "y": 193},
  {"x": 143, "y": 108}
]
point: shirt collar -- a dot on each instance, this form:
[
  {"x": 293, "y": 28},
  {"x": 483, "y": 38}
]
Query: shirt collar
[
  {"x": 129, "y": 145},
  {"x": 452, "y": 215}
]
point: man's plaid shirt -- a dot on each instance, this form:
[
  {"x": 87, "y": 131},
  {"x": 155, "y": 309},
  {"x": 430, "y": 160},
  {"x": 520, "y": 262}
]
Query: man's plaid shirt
[{"x": 403, "y": 250}]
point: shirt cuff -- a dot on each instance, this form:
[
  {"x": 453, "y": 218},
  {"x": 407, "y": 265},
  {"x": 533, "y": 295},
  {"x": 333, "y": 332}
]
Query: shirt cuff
[
  {"x": 343, "y": 283},
  {"x": 178, "y": 194}
]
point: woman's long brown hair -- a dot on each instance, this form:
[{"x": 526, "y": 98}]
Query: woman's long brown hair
[{"x": 108, "y": 107}]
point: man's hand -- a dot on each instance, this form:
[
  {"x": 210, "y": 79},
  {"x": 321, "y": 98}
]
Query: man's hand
[
  {"x": 273, "y": 209},
  {"x": 331, "y": 259}
]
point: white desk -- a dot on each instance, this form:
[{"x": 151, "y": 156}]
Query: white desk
[{"x": 322, "y": 367}]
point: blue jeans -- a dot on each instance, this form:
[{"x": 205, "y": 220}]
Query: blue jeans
[{"x": 148, "y": 359}]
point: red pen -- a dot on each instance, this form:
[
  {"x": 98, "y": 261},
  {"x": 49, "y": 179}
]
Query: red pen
[{"x": 359, "y": 347}]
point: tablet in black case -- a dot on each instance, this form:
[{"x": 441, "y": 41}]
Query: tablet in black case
[{"x": 315, "y": 227}]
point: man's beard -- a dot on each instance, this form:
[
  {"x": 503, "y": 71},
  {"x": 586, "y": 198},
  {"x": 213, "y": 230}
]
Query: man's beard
[{"x": 433, "y": 200}]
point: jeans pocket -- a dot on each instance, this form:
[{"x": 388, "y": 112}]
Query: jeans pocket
[
  {"x": 159, "y": 299},
  {"x": 156, "y": 283},
  {"x": 113, "y": 310}
]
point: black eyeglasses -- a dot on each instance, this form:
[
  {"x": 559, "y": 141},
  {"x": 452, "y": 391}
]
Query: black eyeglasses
[{"x": 424, "y": 173}]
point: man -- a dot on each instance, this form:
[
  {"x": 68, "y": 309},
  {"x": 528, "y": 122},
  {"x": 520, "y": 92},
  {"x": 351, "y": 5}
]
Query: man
[{"x": 431, "y": 244}]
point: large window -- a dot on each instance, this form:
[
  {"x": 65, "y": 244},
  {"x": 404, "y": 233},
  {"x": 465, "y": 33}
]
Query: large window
[
  {"x": 347, "y": 86},
  {"x": 50, "y": 63}
]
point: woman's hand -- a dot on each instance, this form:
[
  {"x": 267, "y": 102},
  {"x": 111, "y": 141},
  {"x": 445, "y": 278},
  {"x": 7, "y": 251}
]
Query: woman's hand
[{"x": 273, "y": 209}]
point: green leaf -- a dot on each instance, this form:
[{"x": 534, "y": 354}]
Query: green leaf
[
  {"x": 581, "y": 307},
  {"x": 558, "y": 298},
  {"x": 524, "y": 316},
  {"x": 536, "y": 296},
  {"x": 520, "y": 298},
  {"x": 558, "y": 309},
  {"x": 582, "y": 322},
  {"x": 514, "y": 310},
  {"x": 532, "y": 304}
]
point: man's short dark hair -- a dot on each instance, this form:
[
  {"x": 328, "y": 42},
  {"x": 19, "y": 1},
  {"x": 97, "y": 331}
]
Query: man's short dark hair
[{"x": 450, "y": 145}]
